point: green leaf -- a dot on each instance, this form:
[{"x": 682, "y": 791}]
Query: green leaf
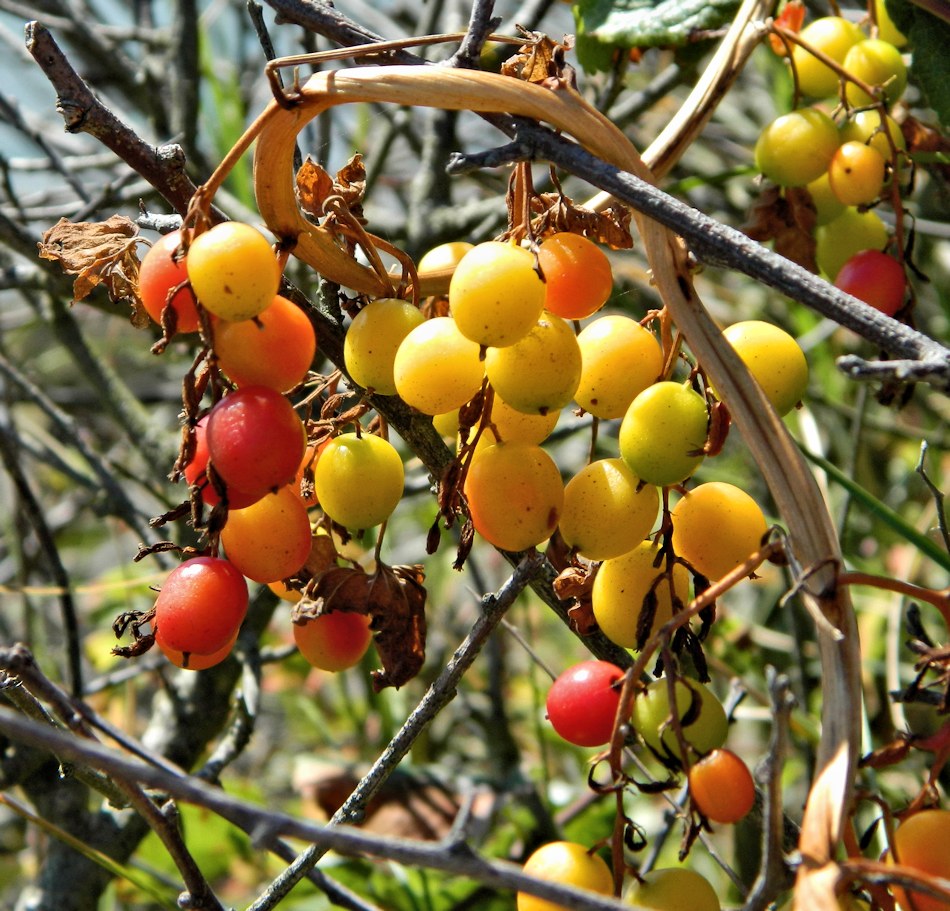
[
  {"x": 604, "y": 25},
  {"x": 926, "y": 23}
]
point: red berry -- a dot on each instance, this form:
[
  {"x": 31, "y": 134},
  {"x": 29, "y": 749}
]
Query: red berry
[
  {"x": 256, "y": 440},
  {"x": 200, "y": 607},
  {"x": 582, "y": 702},
  {"x": 876, "y": 278},
  {"x": 162, "y": 271}
]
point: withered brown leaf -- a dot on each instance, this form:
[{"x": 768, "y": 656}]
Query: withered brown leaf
[
  {"x": 786, "y": 217},
  {"x": 315, "y": 186},
  {"x": 541, "y": 61},
  {"x": 393, "y": 597},
  {"x": 96, "y": 253}
]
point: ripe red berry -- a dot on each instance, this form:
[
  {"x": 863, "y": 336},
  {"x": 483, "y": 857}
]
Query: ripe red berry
[
  {"x": 582, "y": 702},
  {"x": 200, "y": 607},
  {"x": 876, "y": 278}
]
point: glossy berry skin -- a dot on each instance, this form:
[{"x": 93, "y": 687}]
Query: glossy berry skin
[
  {"x": 673, "y": 889},
  {"x": 606, "y": 510},
  {"x": 374, "y": 337},
  {"x": 622, "y": 584},
  {"x": 191, "y": 661},
  {"x": 358, "y": 480},
  {"x": 619, "y": 359},
  {"x": 833, "y": 36},
  {"x": 515, "y": 495},
  {"x": 797, "y": 147},
  {"x": 702, "y": 718},
  {"x": 721, "y": 786},
  {"x": 577, "y": 275},
  {"x": 436, "y": 368},
  {"x": 196, "y": 472},
  {"x": 495, "y": 294},
  {"x": 856, "y": 173},
  {"x": 875, "y": 278},
  {"x": 256, "y": 440},
  {"x": 233, "y": 271},
  {"x": 582, "y": 702},
  {"x": 162, "y": 269},
  {"x": 568, "y": 863},
  {"x": 716, "y": 527},
  {"x": 921, "y": 842},
  {"x": 334, "y": 641},
  {"x": 774, "y": 358},
  {"x": 270, "y": 539},
  {"x": 878, "y": 63},
  {"x": 274, "y": 349},
  {"x": 200, "y": 607},
  {"x": 663, "y": 433}
]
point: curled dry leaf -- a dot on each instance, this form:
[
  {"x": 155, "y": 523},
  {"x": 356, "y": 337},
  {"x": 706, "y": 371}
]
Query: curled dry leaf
[
  {"x": 542, "y": 62},
  {"x": 97, "y": 253},
  {"x": 553, "y": 212},
  {"x": 315, "y": 186},
  {"x": 393, "y": 597},
  {"x": 786, "y": 217},
  {"x": 576, "y": 582}
]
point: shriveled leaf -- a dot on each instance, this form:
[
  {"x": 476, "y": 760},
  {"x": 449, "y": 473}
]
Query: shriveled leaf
[
  {"x": 542, "y": 62},
  {"x": 96, "y": 253},
  {"x": 555, "y": 212},
  {"x": 787, "y": 218},
  {"x": 605, "y": 25},
  {"x": 393, "y": 597},
  {"x": 315, "y": 186}
]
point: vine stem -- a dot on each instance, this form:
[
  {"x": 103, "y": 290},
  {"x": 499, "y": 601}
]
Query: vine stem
[{"x": 439, "y": 694}]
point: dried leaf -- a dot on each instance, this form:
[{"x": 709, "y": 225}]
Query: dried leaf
[
  {"x": 553, "y": 212},
  {"x": 315, "y": 186},
  {"x": 96, "y": 253},
  {"x": 394, "y": 599},
  {"x": 542, "y": 62},
  {"x": 786, "y": 217}
]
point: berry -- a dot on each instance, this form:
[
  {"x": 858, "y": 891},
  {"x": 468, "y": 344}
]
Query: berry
[
  {"x": 200, "y": 607},
  {"x": 515, "y": 495},
  {"x": 619, "y": 359},
  {"x": 663, "y": 433},
  {"x": 582, "y": 702},
  {"x": 721, "y": 786},
  {"x": 716, "y": 527},
  {"x": 577, "y": 275},
  {"x": 358, "y": 480},
  {"x": 161, "y": 272},
  {"x": 797, "y": 147},
  {"x": 775, "y": 360},
  {"x": 875, "y": 278},
  {"x": 832, "y": 35},
  {"x": 233, "y": 271},
  {"x": 374, "y": 337},
  {"x": 568, "y": 863},
  {"x": 606, "y": 511},
  {"x": 334, "y": 641},
  {"x": 920, "y": 842},
  {"x": 540, "y": 372},
  {"x": 856, "y": 173},
  {"x": 877, "y": 63},
  {"x": 274, "y": 349},
  {"x": 702, "y": 718},
  {"x": 849, "y": 233},
  {"x": 436, "y": 368},
  {"x": 269, "y": 540},
  {"x": 255, "y": 440},
  {"x": 673, "y": 889},
  {"x": 621, "y": 586},
  {"x": 496, "y": 294}
]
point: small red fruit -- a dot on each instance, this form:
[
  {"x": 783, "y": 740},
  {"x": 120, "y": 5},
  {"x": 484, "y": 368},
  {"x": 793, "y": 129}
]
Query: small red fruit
[
  {"x": 876, "y": 278},
  {"x": 582, "y": 702}
]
